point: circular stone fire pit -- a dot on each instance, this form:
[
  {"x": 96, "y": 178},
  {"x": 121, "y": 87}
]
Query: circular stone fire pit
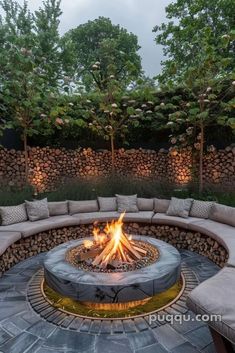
[{"x": 112, "y": 287}]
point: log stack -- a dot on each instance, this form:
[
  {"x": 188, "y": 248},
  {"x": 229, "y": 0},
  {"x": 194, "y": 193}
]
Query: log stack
[
  {"x": 181, "y": 239},
  {"x": 49, "y": 166}
]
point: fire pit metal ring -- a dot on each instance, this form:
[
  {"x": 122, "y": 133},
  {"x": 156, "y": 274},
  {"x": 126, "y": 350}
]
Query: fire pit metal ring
[{"x": 120, "y": 287}]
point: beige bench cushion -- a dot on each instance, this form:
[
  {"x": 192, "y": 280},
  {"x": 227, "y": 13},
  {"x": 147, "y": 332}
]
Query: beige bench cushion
[
  {"x": 30, "y": 228},
  {"x": 91, "y": 217},
  {"x": 107, "y": 204},
  {"x": 223, "y": 214},
  {"x": 85, "y": 206},
  {"x": 144, "y": 204},
  {"x": 7, "y": 239},
  {"x": 223, "y": 233},
  {"x": 216, "y": 296},
  {"x": 162, "y": 218},
  {"x": 141, "y": 217},
  {"x": 58, "y": 208},
  {"x": 86, "y": 218}
]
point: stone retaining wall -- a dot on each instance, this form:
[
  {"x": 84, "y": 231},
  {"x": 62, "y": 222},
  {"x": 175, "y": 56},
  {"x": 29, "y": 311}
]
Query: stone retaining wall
[
  {"x": 49, "y": 166},
  {"x": 45, "y": 241}
]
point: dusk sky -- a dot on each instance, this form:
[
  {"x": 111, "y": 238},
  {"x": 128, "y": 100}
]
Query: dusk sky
[{"x": 137, "y": 16}]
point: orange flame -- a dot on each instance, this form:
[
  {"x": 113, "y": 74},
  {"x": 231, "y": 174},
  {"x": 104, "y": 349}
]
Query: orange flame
[
  {"x": 88, "y": 243},
  {"x": 113, "y": 245}
]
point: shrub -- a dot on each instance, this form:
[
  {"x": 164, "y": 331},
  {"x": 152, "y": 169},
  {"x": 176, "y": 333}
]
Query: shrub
[{"x": 81, "y": 189}]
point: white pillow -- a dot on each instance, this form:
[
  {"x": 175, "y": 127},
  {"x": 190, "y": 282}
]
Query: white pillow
[
  {"x": 37, "y": 209},
  {"x": 127, "y": 203},
  {"x": 179, "y": 207},
  {"x": 107, "y": 204}
]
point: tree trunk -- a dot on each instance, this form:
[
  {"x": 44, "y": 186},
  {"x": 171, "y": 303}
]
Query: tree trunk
[
  {"x": 112, "y": 153},
  {"x": 201, "y": 153},
  {"x": 25, "y": 140}
]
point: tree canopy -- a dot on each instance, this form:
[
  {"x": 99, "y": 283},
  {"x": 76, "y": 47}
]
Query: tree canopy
[
  {"x": 190, "y": 24},
  {"x": 101, "y": 50}
]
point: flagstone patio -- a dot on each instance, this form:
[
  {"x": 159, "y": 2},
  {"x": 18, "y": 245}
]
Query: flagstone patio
[{"x": 22, "y": 330}]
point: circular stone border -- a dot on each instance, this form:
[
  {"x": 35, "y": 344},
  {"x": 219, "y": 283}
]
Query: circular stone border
[
  {"x": 93, "y": 325},
  {"x": 140, "y": 284}
]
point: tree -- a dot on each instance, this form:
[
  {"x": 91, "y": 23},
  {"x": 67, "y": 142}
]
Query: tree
[
  {"x": 200, "y": 46},
  {"x": 182, "y": 37},
  {"x": 27, "y": 80},
  {"x": 111, "y": 115},
  {"x": 211, "y": 81},
  {"x": 49, "y": 50},
  {"x": 102, "y": 50}
]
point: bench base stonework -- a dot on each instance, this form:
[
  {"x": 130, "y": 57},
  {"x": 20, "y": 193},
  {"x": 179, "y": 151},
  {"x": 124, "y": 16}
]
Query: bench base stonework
[{"x": 178, "y": 237}]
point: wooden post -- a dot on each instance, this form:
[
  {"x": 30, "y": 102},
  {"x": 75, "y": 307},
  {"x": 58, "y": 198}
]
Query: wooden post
[
  {"x": 26, "y": 154},
  {"x": 112, "y": 152}
]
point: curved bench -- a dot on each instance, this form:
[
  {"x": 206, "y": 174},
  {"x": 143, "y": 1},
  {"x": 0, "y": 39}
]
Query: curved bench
[
  {"x": 214, "y": 296},
  {"x": 222, "y": 233}
]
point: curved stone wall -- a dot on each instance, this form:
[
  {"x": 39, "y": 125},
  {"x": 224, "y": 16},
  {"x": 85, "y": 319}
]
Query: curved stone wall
[{"x": 180, "y": 238}]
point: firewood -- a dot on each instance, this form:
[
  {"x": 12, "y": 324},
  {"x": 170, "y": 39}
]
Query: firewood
[
  {"x": 89, "y": 254},
  {"x": 103, "y": 254},
  {"x": 124, "y": 241},
  {"x": 142, "y": 251}
]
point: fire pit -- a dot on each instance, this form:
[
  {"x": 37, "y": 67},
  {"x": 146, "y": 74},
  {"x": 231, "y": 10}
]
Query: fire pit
[
  {"x": 112, "y": 251},
  {"x": 112, "y": 268}
]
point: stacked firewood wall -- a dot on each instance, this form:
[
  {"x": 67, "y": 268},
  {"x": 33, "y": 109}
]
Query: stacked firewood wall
[{"x": 49, "y": 166}]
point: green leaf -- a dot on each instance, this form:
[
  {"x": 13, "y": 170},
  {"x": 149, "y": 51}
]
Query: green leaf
[
  {"x": 231, "y": 123},
  {"x": 194, "y": 111}
]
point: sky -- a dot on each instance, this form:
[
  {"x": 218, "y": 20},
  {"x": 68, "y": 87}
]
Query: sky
[{"x": 137, "y": 16}]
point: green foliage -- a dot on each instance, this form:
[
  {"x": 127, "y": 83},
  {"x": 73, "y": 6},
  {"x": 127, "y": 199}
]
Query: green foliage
[
  {"x": 100, "y": 50},
  {"x": 29, "y": 68},
  {"x": 81, "y": 189},
  {"x": 12, "y": 195},
  {"x": 200, "y": 49},
  {"x": 191, "y": 25}
]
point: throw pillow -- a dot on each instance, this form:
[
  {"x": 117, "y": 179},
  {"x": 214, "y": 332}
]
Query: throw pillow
[
  {"x": 83, "y": 206},
  {"x": 37, "y": 209},
  {"x": 58, "y": 208},
  {"x": 223, "y": 214},
  {"x": 145, "y": 204},
  {"x": 107, "y": 204},
  {"x": 127, "y": 203},
  {"x": 13, "y": 214},
  {"x": 161, "y": 205},
  {"x": 179, "y": 207},
  {"x": 201, "y": 209}
]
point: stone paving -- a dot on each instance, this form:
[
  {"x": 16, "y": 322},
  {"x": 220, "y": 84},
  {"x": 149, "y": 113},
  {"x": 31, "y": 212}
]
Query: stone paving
[
  {"x": 96, "y": 325},
  {"x": 22, "y": 330}
]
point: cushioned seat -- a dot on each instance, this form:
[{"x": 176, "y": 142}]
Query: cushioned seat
[
  {"x": 142, "y": 216},
  {"x": 7, "y": 239},
  {"x": 215, "y": 296},
  {"x": 30, "y": 228},
  {"x": 162, "y": 218},
  {"x": 139, "y": 217},
  {"x": 223, "y": 233},
  {"x": 91, "y": 217}
]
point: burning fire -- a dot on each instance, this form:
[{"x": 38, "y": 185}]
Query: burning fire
[{"x": 112, "y": 246}]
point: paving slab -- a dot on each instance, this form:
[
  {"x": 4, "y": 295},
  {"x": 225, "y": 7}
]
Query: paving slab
[
  {"x": 168, "y": 337},
  {"x": 19, "y": 344},
  {"x": 200, "y": 338},
  {"x": 23, "y": 330},
  {"x": 113, "y": 344},
  {"x": 65, "y": 339}
]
